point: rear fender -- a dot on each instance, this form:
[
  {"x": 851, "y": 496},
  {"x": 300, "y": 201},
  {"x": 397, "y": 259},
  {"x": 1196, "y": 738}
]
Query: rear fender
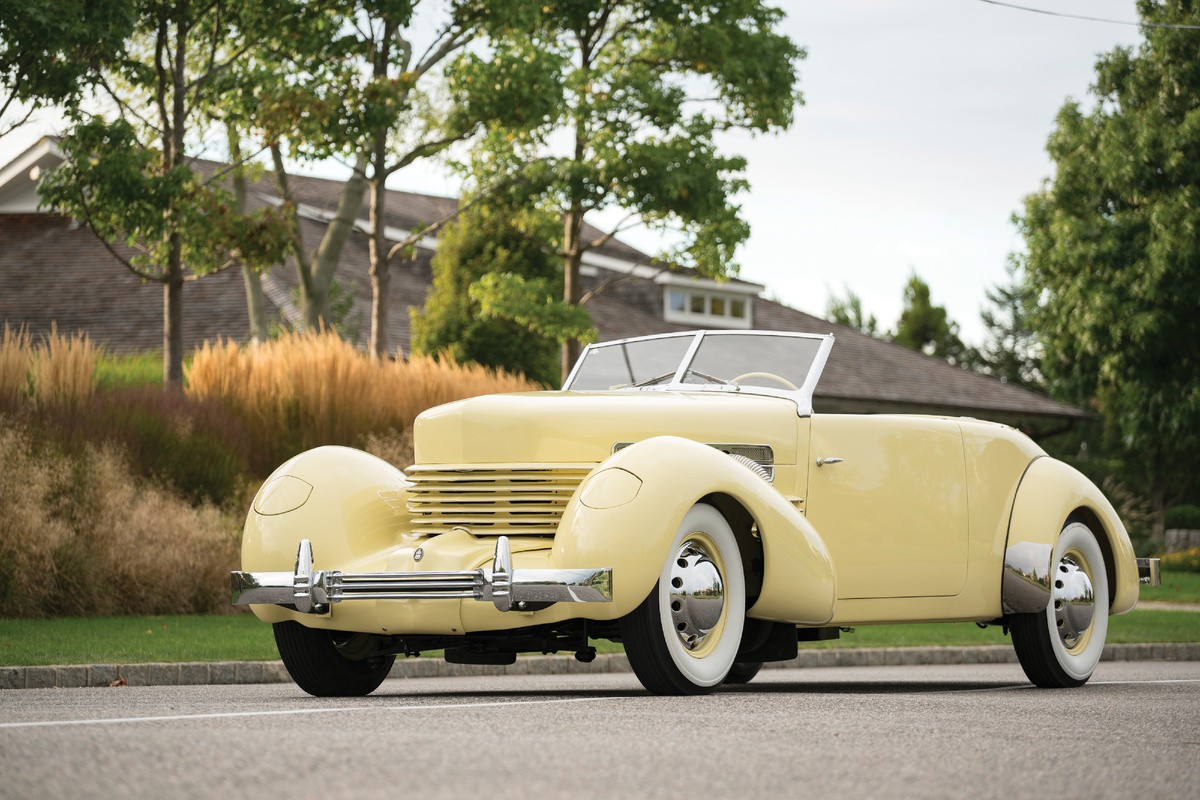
[
  {"x": 626, "y": 513},
  {"x": 1049, "y": 494}
]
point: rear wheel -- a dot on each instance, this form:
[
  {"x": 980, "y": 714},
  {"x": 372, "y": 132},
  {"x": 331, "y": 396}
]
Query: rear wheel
[
  {"x": 743, "y": 671},
  {"x": 330, "y": 663},
  {"x": 1061, "y": 646},
  {"x": 684, "y": 636}
]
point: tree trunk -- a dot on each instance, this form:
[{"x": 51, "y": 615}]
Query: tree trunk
[
  {"x": 173, "y": 131},
  {"x": 256, "y": 306},
  {"x": 325, "y": 260},
  {"x": 256, "y": 303},
  {"x": 380, "y": 273},
  {"x": 173, "y": 318},
  {"x": 313, "y": 305},
  {"x": 572, "y": 281}
]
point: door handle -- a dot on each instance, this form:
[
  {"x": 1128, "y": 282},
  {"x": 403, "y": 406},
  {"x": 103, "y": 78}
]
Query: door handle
[{"x": 823, "y": 461}]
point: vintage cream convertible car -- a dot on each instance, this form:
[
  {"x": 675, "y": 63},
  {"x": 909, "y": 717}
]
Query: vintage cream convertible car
[{"x": 679, "y": 496}]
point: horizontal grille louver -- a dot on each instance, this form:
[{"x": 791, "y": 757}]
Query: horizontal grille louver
[{"x": 492, "y": 502}]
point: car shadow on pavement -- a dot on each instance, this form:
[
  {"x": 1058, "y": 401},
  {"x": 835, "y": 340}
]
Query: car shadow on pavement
[
  {"x": 790, "y": 687},
  {"x": 874, "y": 687}
]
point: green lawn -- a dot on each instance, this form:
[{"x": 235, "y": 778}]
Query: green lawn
[
  {"x": 131, "y": 640},
  {"x": 118, "y": 640},
  {"x": 121, "y": 371},
  {"x": 1177, "y": 587}
]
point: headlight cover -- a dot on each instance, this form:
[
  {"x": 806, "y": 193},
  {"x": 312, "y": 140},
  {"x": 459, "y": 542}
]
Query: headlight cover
[
  {"x": 610, "y": 488},
  {"x": 281, "y": 495}
]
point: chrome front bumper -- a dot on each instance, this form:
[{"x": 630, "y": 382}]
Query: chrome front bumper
[{"x": 508, "y": 589}]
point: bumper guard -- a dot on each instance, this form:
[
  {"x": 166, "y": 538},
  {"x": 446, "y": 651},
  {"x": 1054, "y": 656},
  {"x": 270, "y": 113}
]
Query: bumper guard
[
  {"x": 1149, "y": 572},
  {"x": 311, "y": 591}
]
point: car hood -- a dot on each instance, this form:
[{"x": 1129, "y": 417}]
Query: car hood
[{"x": 577, "y": 427}]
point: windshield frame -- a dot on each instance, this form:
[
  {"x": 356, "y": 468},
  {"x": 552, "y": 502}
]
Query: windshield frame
[{"x": 802, "y": 396}]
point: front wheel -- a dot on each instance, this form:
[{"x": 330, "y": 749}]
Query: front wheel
[
  {"x": 1061, "y": 646},
  {"x": 330, "y": 663},
  {"x": 684, "y": 636}
]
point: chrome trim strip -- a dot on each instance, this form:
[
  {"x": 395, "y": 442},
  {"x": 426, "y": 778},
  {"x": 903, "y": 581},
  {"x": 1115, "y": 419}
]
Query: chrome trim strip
[
  {"x": 1149, "y": 571},
  {"x": 1025, "y": 588},
  {"x": 507, "y": 588}
]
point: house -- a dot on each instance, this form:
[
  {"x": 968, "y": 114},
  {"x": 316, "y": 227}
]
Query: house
[{"x": 52, "y": 269}]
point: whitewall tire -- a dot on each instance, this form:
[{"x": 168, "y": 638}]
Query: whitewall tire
[
  {"x": 1061, "y": 646},
  {"x": 684, "y": 637}
]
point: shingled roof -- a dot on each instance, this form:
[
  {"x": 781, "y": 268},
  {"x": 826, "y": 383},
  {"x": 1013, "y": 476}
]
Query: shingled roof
[{"x": 54, "y": 270}]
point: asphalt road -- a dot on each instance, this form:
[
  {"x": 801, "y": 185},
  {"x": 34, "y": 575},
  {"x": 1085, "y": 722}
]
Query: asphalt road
[{"x": 974, "y": 731}]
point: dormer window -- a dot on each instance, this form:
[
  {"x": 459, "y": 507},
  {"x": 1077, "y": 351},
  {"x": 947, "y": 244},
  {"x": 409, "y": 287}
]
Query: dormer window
[{"x": 706, "y": 307}]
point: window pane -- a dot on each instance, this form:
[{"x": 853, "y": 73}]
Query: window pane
[
  {"x": 737, "y": 309},
  {"x": 698, "y": 304},
  {"x": 607, "y": 366},
  {"x": 718, "y": 306},
  {"x": 677, "y": 300},
  {"x": 727, "y": 356}
]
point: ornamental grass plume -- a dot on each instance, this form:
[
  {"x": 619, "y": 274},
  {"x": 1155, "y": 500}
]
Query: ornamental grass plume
[
  {"x": 62, "y": 370},
  {"x": 15, "y": 353},
  {"x": 423, "y": 382},
  {"x": 306, "y": 390}
]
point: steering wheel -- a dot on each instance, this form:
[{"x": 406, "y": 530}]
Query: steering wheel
[{"x": 768, "y": 376}]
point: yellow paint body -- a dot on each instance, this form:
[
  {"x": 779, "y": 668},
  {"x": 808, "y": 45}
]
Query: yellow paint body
[{"x": 911, "y": 525}]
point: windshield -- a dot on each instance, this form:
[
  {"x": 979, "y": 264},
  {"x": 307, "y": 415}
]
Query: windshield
[{"x": 753, "y": 361}]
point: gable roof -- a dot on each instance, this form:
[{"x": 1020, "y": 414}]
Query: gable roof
[{"x": 53, "y": 269}]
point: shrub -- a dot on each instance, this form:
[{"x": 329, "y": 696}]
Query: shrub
[
  {"x": 196, "y": 447},
  {"x": 80, "y": 535},
  {"x": 1134, "y": 510},
  {"x": 1183, "y": 517},
  {"x": 1183, "y": 561}
]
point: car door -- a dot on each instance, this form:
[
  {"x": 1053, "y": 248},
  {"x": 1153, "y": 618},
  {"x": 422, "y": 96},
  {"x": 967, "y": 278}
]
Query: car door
[{"x": 888, "y": 496}]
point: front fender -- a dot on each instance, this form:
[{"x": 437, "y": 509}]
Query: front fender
[
  {"x": 349, "y": 504},
  {"x": 626, "y": 513},
  {"x": 1049, "y": 493}
]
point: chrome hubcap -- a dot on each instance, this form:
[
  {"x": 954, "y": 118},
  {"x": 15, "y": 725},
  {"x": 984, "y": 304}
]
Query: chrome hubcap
[
  {"x": 1074, "y": 600},
  {"x": 697, "y": 594}
]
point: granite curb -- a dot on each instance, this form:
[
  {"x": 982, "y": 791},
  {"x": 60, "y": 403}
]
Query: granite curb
[{"x": 233, "y": 672}]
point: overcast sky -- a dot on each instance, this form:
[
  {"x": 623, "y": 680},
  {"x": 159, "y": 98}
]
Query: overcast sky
[{"x": 924, "y": 125}]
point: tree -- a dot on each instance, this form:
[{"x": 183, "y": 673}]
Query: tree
[
  {"x": 52, "y": 50},
  {"x": 1113, "y": 251},
  {"x": 926, "y": 327},
  {"x": 130, "y": 179},
  {"x": 487, "y": 264},
  {"x": 362, "y": 92},
  {"x": 848, "y": 311},
  {"x": 1011, "y": 352},
  {"x": 598, "y": 104}
]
